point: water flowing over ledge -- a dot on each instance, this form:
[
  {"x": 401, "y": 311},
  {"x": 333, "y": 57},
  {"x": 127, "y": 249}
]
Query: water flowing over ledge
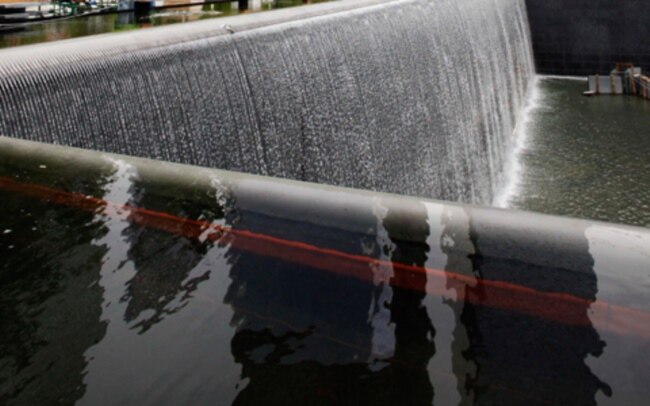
[
  {"x": 513, "y": 169},
  {"x": 413, "y": 97}
]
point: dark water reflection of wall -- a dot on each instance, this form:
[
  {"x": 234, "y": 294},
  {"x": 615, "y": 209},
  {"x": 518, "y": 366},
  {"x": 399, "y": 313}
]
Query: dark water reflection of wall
[
  {"x": 107, "y": 303},
  {"x": 523, "y": 358}
]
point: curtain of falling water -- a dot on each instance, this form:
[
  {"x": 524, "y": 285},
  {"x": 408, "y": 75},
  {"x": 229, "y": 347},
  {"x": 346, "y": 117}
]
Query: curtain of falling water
[{"x": 415, "y": 97}]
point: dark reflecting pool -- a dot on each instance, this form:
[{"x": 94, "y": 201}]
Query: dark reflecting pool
[{"x": 144, "y": 282}]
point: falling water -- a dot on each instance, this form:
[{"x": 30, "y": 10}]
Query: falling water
[{"x": 416, "y": 97}]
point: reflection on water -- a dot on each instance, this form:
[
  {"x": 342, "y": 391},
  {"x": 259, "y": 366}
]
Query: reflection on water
[
  {"x": 324, "y": 347},
  {"x": 50, "y": 304},
  {"x": 453, "y": 250},
  {"x": 98, "y": 24},
  {"x": 504, "y": 346},
  {"x": 631, "y": 353},
  {"x": 414, "y": 331},
  {"x": 155, "y": 292}
]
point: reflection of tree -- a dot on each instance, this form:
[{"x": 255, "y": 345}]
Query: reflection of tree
[
  {"x": 163, "y": 263},
  {"x": 163, "y": 260},
  {"x": 521, "y": 358},
  {"x": 303, "y": 334},
  {"x": 49, "y": 294},
  {"x": 408, "y": 231}
]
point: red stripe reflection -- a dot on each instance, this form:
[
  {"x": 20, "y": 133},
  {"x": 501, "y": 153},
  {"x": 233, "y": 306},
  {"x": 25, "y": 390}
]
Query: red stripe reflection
[{"x": 558, "y": 307}]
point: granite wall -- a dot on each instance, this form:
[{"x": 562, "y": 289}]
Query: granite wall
[{"x": 582, "y": 37}]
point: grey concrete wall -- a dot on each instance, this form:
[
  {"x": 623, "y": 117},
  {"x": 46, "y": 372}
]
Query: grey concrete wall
[{"x": 581, "y": 37}]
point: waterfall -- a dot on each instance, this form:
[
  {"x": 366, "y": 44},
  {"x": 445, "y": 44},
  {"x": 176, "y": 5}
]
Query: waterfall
[{"x": 415, "y": 97}]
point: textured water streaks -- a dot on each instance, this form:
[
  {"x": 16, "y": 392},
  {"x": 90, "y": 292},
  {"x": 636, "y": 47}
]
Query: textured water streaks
[{"x": 413, "y": 97}]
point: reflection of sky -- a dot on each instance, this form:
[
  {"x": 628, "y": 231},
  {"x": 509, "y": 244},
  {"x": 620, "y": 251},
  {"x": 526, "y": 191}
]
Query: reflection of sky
[
  {"x": 383, "y": 335},
  {"x": 449, "y": 389},
  {"x": 621, "y": 257}
]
